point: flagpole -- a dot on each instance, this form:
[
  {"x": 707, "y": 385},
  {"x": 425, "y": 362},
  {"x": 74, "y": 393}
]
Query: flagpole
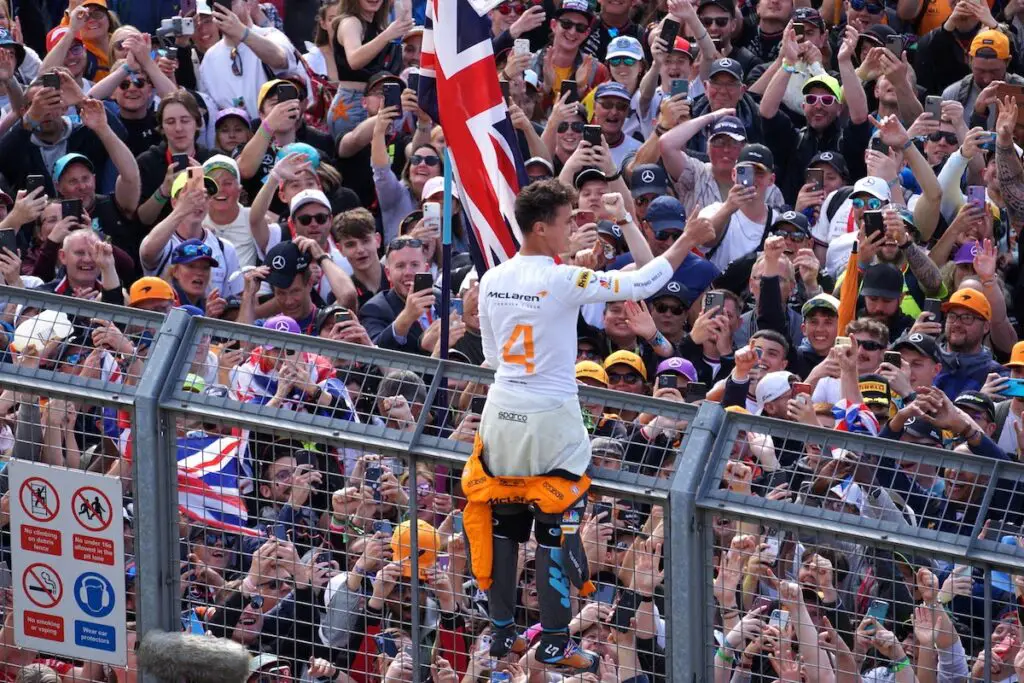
[{"x": 446, "y": 256}]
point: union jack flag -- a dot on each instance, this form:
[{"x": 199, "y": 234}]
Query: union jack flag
[
  {"x": 459, "y": 89},
  {"x": 209, "y": 469}
]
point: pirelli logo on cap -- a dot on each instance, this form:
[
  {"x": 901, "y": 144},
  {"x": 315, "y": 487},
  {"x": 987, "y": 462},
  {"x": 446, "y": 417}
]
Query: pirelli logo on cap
[
  {"x": 876, "y": 387},
  {"x": 584, "y": 279}
]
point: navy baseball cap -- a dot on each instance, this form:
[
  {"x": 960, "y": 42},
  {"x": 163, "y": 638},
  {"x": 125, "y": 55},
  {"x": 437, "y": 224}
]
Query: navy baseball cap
[
  {"x": 666, "y": 213},
  {"x": 731, "y": 126},
  {"x": 834, "y": 159},
  {"x": 612, "y": 89},
  {"x": 808, "y": 15},
  {"x": 728, "y": 66},
  {"x": 757, "y": 154},
  {"x": 587, "y": 174},
  {"x": 648, "y": 179},
  {"x": 285, "y": 261},
  {"x": 191, "y": 251},
  {"x": 794, "y": 218}
]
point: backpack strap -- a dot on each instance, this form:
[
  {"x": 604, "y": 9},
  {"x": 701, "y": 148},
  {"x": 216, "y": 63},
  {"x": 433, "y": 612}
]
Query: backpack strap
[
  {"x": 841, "y": 195},
  {"x": 1002, "y": 412}
]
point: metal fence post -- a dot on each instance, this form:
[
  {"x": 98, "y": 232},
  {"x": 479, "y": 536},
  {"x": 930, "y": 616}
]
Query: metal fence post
[
  {"x": 684, "y": 569},
  {"x": 154, "y": 477}
]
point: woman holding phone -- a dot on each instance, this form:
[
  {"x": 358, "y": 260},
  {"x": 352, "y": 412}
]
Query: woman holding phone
[
  {"x": 365, "y": 44},
  {"x": 398, "y": 198}
]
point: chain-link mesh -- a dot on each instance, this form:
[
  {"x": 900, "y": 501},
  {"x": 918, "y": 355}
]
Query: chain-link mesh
[
  {"x": 825, "y": 553},
  {"x": 313, "y": 562},
  {"x": 64, "y": 434}
]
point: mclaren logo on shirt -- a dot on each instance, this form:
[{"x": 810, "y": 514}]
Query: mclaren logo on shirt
[{"x": 515, "y": 296}]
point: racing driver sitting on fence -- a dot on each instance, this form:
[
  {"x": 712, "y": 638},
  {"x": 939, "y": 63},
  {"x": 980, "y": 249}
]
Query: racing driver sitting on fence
[{"x": 514, "y": 483}]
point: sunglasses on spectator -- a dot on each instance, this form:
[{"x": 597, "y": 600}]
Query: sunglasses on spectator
[
  {"x": 619, "y": 61},
  {"x": 614, "y": 103},
  {"x": 576, "y": 126},
  {"x": 871, "y": 8},
  {"x": 403, "y": 242},
  {"x": 256, "y": 601},
  {"x": 318, "y": 218},
  {"x": 276, "y": 585},
  {"x": 428, "y": 159},
  {"x": 211, "y": 538},
  {"x": 665, "y": 308},
  {"x": 627, "y": 378},
  {"x": 580, "y": 27},
  {"x": 516, "y": 7},
  {"x": 662, "y": 235},
  {"x": 139, "y": 83},
  {"x": 794, "y": 235},
  {"x": 824, "y": 100},
  {"x": 236, "y": 62},
  {"x": 97, "y": 14},
  {"x": 873, "y": 203},
  {"x": 588, "y": 354},
  {"x": 949, "y": 138},
  {"x": 870, "y": 345},
  {"x": 191, "y": 250},
  {"x": 76, "y": 49},
  {"x": 720, "y": 22}
]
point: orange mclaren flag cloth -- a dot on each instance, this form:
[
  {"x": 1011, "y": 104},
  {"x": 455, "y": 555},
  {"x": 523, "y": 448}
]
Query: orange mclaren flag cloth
[{"x": 849, "y": 292}]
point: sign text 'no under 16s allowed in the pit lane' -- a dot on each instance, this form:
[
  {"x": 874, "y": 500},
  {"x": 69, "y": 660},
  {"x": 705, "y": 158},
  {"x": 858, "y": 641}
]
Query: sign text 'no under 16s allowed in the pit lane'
[{"x": 67, "y": 562}]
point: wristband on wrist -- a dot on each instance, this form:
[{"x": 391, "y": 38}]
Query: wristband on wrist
[
  {"x": 160, "y": 198},
  {"x": 900, "y": 665},
  {"x": 265, "y": 129},
  {"x": 658, "y": 339},
  {"x": 908, "y": 144},
  {"x": 245, "y": 35},
  {"x": 722, "y": 654}
]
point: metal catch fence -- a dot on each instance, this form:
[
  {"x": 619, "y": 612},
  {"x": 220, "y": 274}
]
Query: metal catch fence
[{"x": 302, "y": 497}]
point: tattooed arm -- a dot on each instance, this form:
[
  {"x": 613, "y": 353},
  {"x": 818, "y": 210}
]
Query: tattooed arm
[
  {"x": 924, "y": 269},
  {"x": 1008, "y": 166}
]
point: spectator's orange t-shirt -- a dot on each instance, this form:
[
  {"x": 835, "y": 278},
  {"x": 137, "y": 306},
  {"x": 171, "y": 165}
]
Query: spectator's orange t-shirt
[{"x": 935, "y": 14}]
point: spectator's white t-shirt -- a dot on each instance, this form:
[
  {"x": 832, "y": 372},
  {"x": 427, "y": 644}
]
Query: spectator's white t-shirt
[
  {"x": 237, "y": 232},
  {"x": 220, "y": 277},
  {"x": 741, "y": 237},
  {"x": 624, "y": 150},
  {"x": 218, "y": 80}
]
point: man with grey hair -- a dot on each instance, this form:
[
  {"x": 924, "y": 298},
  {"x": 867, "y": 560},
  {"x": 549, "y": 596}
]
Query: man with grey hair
[{"x": 89, "y": 271}]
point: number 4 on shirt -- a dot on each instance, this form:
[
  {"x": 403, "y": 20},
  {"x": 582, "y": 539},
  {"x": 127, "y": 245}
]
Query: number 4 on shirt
[{"x": 521, "y": 337}]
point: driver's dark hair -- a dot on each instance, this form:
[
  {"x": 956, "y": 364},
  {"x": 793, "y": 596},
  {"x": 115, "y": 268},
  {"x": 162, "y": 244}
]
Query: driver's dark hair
[{"x": 539, "y": 202}]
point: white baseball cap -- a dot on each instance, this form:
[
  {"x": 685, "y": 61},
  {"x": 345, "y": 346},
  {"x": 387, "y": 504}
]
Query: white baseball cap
[
  {"x": 770, "y": 387},
  {"x": 36, "y": 331},
  {"x": 435, "y": 186},
  {"x": 309, "y": 197},
  {"x": 874, "y": 186},
  {"x": 222, "y": 161}
]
